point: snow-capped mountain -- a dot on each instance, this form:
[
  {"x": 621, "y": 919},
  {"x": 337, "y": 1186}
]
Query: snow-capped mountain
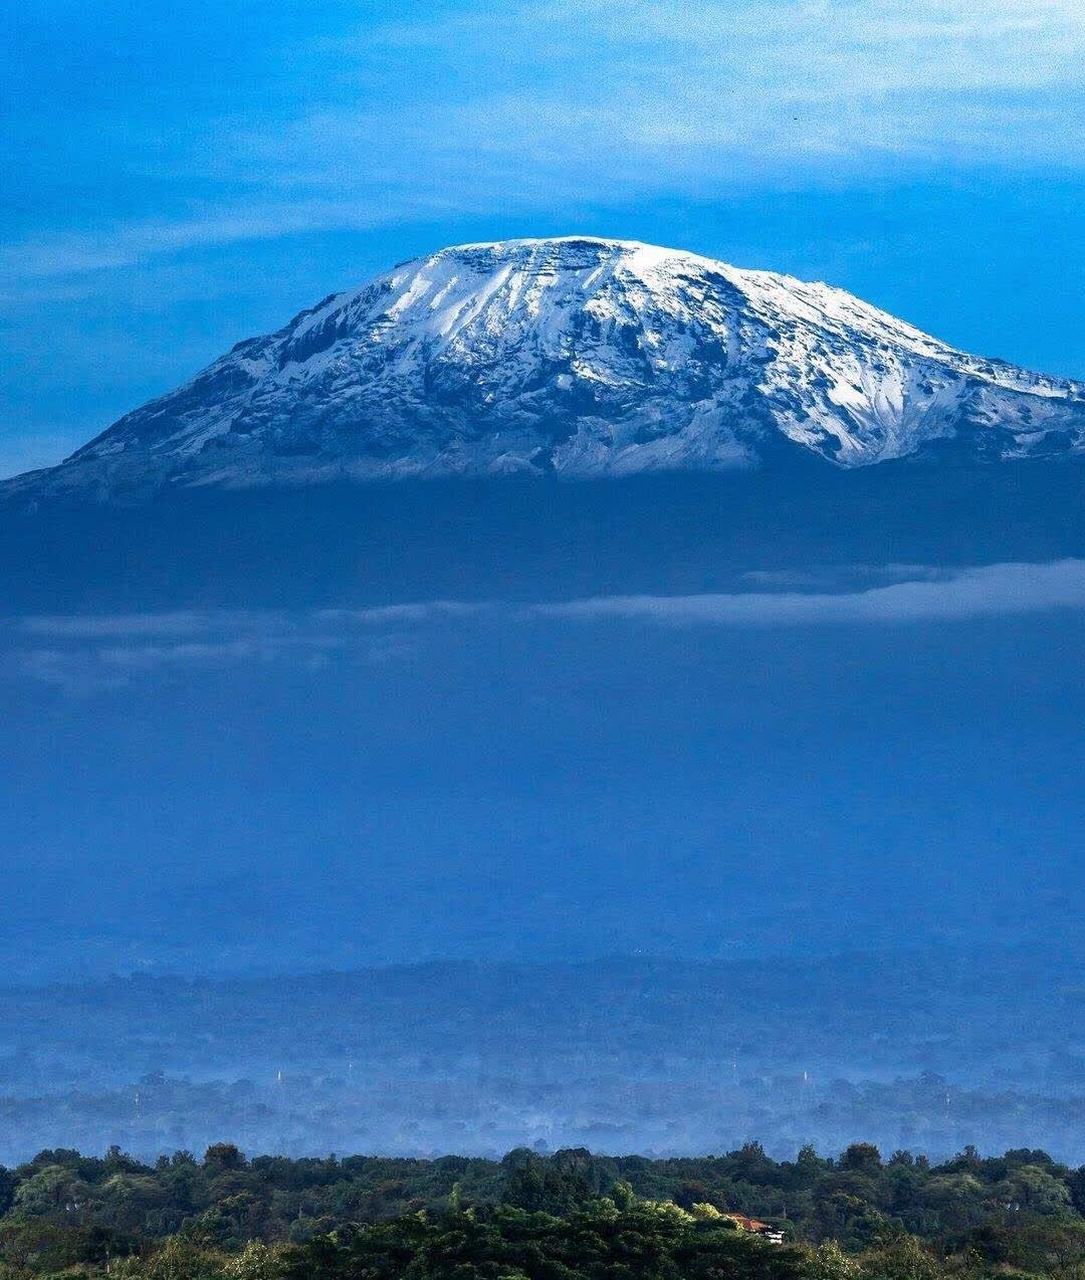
[{"x": 579, "y": 356}]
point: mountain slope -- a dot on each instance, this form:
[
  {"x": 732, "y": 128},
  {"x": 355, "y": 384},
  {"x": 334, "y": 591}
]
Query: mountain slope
[{"x": 577, "y": 356}]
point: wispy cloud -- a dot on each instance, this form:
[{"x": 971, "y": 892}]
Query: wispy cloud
[
  {"x": 993, "y": 590},
  {"x": 87, "y": 653},
  {"x": 230, "y": 221},
  {"x": 735, "y": 86},
  {"x": 197, "y": 622},
  {"x": 129, "y": 625},
  {"x": 393, "y": 614},
  {"x": 536, "y": 106}
]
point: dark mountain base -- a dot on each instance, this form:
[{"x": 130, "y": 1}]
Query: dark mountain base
[{"x": 531, "y": 539}]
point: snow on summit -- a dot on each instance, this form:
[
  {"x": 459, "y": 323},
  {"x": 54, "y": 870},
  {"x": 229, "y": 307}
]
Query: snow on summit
[{"x": 578, "y": 356}]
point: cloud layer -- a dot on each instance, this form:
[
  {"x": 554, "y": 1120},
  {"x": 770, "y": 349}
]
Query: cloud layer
[{"x": 84, "y": 654}]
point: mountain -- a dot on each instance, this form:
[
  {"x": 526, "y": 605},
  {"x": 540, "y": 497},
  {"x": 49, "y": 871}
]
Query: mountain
[{"x": 577, "y": 356}]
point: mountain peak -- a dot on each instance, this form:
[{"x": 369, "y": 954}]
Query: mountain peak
[{"x": 577, "y": 355}]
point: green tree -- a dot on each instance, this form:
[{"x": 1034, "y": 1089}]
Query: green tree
[{"x": 902, "y": 1257}]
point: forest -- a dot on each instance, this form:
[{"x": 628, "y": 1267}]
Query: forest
[
  {"x": 923, "y": 1050},
  {"x": 560, "y": 1216}
]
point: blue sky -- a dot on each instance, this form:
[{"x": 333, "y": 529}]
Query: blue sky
[{"x": 181, "y": 176}]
